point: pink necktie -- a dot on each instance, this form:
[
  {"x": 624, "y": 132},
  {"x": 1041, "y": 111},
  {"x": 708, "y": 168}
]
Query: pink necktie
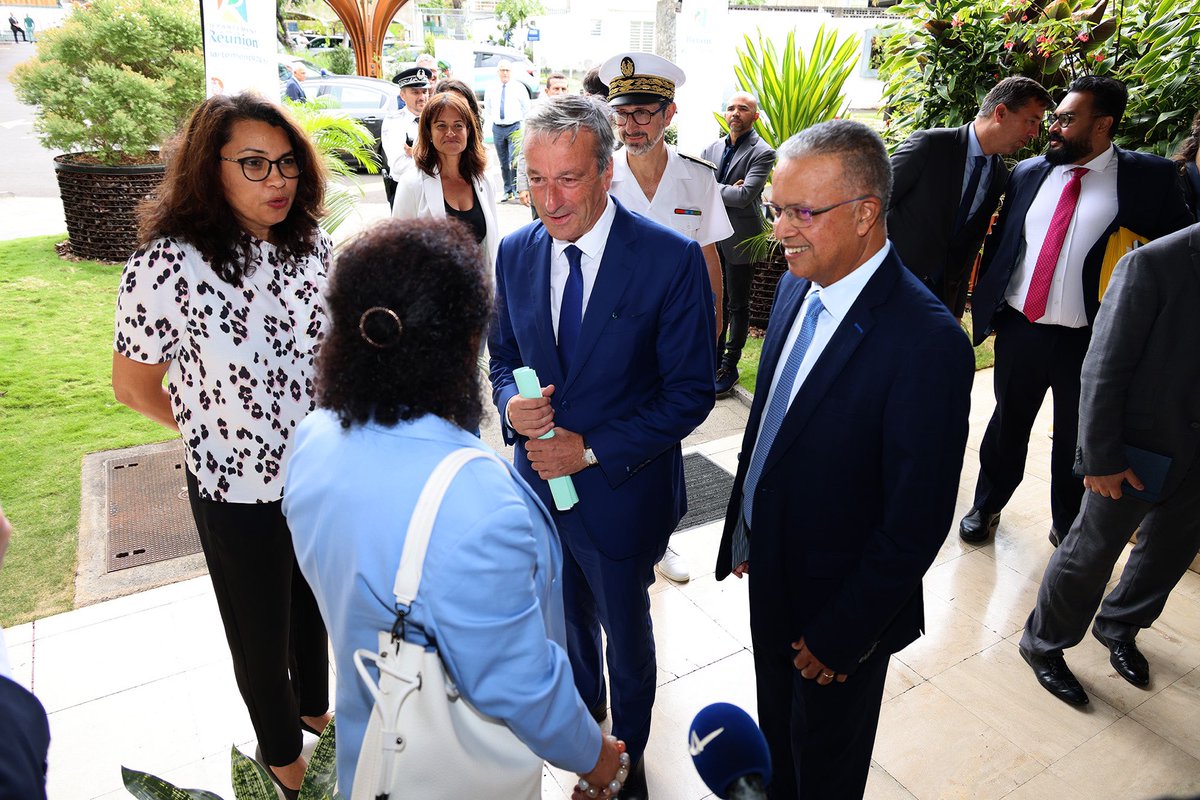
[{"x": 1043, "y": 271}]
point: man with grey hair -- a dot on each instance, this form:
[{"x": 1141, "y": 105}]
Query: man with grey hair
[
  {"x": 948, "y": 183},
  {"x": 505, "y": 104},
  {"x": 614, "y": 312},
  {"x": 850, "y": 463}
]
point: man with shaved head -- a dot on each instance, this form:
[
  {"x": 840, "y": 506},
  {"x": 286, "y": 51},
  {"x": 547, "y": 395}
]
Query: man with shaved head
[{"x": 744, "y": 163}]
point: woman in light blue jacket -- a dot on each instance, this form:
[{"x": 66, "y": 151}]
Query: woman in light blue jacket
[{"x": 398, "y": 389}]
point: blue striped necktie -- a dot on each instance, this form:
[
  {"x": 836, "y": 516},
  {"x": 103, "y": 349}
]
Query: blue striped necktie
[
  {"x": 570, "y": 313},
  {"x": 773, "y": 417}
]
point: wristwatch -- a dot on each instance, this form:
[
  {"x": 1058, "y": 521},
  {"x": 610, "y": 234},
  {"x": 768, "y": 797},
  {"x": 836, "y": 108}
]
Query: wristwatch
[{"x": 589, "y": 458}]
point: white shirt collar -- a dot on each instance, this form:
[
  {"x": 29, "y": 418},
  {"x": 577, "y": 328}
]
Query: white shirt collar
[
  {"x": 592, "y": 242},
  {"x": 1097, "y": 164}
]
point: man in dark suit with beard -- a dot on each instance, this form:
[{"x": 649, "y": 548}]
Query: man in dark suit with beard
[
  {"x": 1039, "y": 287},
  {"x": 948, "y": 183}
]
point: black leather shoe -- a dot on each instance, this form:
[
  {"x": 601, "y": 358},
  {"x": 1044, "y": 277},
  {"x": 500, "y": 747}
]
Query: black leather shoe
[
  {"x": 599, "y": 710},
  {"x": 1126, "y": 659},
  {"x": 727, "y": 378},
  {"x": 1054, "y": 676},
  {"x": 978, "y": 526},
  {"x": 635, "y": 784},
  {"x": 1055, "y": 539}
]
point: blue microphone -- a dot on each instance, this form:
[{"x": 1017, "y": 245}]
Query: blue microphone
[{"x": 730, "y": 753}]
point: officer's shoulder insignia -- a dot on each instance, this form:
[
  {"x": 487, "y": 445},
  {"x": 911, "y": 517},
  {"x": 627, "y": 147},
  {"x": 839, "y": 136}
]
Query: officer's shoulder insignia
[{"x": 698, "y": 160}]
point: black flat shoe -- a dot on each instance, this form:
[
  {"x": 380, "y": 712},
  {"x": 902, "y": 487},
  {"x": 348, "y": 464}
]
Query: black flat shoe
[
  {"x": 288, "y": 794},
  {"x": 1055, "y": 677},
  {"x": 978, "y": 526},
  {"x": 1126, "y": 659}
]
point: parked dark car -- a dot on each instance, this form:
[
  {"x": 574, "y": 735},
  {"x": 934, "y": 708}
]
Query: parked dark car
[{"x": 367, "y": 100}]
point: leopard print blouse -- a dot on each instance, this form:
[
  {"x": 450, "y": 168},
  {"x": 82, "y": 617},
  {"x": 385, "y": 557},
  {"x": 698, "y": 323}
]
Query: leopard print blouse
[{"x": 240, "y": 374}]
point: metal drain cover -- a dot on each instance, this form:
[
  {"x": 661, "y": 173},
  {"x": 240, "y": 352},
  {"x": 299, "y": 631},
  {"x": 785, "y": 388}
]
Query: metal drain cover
[{"x": 149, "y": 519}]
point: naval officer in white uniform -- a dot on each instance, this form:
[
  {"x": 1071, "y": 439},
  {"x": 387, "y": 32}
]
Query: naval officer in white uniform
[{"x": 653, "y": 179}]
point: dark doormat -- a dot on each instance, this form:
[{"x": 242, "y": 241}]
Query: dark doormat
[
  {"x": 149, "y": 519},
  {"x": 708, "y": 488}
]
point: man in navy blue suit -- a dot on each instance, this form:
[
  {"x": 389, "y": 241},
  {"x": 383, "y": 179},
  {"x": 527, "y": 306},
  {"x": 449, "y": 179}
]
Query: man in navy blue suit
[
  {"x": 615, "y": 314},
  {"x": 1039, "y": 287},
  {"x": 850, "y": 464}
]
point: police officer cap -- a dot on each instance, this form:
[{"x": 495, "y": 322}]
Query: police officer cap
[
  {"x": 640, "y": 78},
  {"x": 414, "y": 78}
]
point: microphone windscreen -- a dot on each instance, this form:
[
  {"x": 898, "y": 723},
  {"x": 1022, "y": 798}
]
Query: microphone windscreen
[{"x": 726, "y": 744}]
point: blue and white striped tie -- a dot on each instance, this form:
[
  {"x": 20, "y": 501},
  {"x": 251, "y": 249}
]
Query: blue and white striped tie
[{"x": 773, "y": 417}]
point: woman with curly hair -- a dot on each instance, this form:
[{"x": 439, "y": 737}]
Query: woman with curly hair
[
  {"x": 1187, "y": 158},
  {"x": 224, "y": 298},
  {"x": 449, "y": 180},
  {"x": 399, "y": 390}
]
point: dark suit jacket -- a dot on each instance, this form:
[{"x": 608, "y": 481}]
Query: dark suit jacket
[
  {"x": 927, "y": 173},
  {"x": 752, "y": 163},
  {"x": 1149, "y": 203},
  {"x": 1141, "y": 377},
  {"x": 858, "y": 490},
  {"x": 640, "y": 381},
  {"x": 27, "y": 740}
]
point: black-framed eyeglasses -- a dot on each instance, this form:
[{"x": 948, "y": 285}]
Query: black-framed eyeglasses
[
  {"x": 802, "y": 216},
  {"x": 641, "y": 116},
  {"x": 1064, "y": 120},
  {"x": 257, "y": 168}
]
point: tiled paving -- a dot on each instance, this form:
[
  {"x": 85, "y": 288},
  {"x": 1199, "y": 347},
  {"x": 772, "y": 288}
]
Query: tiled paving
[{"x": 145, "y": 681}]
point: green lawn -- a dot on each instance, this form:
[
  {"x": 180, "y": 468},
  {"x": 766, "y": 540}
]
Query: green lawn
[{"x": 56, "y": 405}]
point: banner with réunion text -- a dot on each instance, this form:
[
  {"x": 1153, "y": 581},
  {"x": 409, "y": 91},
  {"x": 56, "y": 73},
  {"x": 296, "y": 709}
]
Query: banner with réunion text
[{"x": 239, "y": 47}]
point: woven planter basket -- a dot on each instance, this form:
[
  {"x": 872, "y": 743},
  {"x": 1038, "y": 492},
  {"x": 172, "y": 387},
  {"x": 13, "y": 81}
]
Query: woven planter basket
[{"x": 100, "y": 203}]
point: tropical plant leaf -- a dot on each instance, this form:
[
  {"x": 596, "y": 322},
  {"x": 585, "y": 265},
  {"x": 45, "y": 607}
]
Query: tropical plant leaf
[
  {"x": 145, "y": 786},
  {"x": 320, "y": 781},
  {"x": 250, "y": 779},
  {"x": 335, "y": 135}
]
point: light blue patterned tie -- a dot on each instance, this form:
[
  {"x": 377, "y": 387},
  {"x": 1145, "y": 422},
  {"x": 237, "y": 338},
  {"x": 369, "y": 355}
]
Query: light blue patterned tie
[{"x": 773, "y": 417}]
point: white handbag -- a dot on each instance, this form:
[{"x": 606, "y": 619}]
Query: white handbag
[{"x": 424, "y": 740}]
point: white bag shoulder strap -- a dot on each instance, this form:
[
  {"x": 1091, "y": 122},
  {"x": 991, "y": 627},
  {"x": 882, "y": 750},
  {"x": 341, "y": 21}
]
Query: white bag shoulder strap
[{"x": 420, "y": 526}]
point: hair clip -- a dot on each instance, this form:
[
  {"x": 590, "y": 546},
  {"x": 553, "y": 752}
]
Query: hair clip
[{"x": 362, "y": 326}]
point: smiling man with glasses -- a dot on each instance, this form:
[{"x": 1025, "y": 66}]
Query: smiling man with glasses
[{"x": 849, "y": 466}]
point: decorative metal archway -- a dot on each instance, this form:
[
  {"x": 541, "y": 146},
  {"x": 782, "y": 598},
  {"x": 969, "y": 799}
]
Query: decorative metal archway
[{"x": 366, "y": 24}]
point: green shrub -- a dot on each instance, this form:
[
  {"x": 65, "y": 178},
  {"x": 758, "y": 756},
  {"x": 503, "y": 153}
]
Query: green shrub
[
  {"x": 341, "y": 61},
  {"x": 116, "y": 79}
]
